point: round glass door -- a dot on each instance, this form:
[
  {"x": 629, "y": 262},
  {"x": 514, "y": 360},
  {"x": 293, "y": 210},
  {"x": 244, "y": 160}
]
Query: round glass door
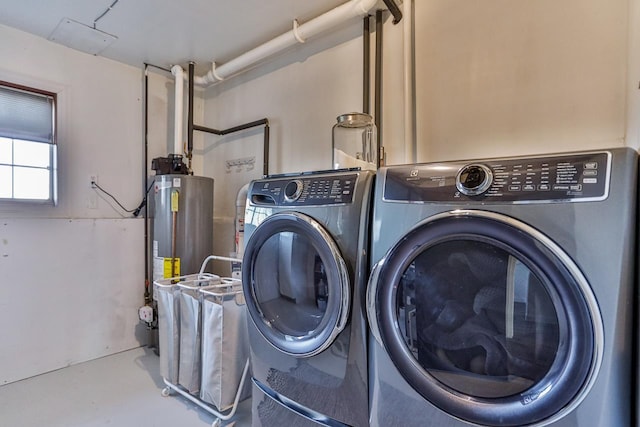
[
  {"x": 488, "y": 319},
  {"x": 296, "y": 284}
]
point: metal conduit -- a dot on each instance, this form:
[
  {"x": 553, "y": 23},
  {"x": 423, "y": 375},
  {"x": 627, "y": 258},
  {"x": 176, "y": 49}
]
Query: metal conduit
[{"x": 193, "y": 127}]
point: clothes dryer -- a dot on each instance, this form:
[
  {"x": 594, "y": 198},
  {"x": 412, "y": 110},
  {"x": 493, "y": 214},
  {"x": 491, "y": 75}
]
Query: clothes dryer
[
  {"x": 305, "y": 270},
  {"x": 502, "y": 292}
]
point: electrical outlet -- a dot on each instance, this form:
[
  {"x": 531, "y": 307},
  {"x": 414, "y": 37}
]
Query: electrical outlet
[{"x": 93, "y": 180}]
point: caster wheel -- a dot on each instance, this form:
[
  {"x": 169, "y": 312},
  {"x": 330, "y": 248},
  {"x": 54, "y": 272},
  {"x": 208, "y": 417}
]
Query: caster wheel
[{"x": 165, "y": 391}]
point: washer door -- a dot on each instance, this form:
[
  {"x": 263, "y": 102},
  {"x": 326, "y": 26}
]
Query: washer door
[
  {"x": 488, "y": 319},
  {"x": 296, "y": 284}
]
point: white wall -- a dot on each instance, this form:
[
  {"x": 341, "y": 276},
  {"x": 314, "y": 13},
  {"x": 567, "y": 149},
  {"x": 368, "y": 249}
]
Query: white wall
[
  {"x": 493, "y": 77},
  {"x": 72, "y": 276},
  {"x": 633, "y": 76},
  {"x": 301, "y": 93},
  {"x": 497, "y": 77}
]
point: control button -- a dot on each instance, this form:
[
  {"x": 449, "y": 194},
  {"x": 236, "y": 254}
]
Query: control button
[
  {"x": 577, "y": 187},
  {"x": 293, "y": 190},
  {"x": 529, "y": 187},
  {"x": 590, "y": 173},
  {"x": 590, "y": 180},
  {"x": 514, "y": 188},
  {"x": 559, "y": 187},
  {"x": 543, "y": 187},
  {"x": 474, "y": 179},
  {"x": 591, "y": 165}
]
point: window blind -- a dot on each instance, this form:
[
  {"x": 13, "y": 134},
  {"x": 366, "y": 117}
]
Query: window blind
[{"x": 27, "y": 116}]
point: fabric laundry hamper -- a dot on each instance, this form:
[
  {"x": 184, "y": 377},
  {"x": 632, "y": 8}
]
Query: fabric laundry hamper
[
  {"x": 167, "y": 295},
  {"x": 225, "y": 343},
  {"x": 191, "y": 330}
]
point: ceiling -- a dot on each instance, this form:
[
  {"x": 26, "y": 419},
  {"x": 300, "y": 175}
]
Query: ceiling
[{"x": 167, "y": 32}]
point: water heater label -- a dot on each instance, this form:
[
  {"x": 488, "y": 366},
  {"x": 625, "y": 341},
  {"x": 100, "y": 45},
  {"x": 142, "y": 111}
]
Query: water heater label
[
  {"x": 168, "y": 271},
  {"x": 174, "y": 200},
  {"x": 177, "y": 182}
]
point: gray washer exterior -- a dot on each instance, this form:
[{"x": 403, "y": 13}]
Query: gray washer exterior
[
  {"x": 600, "y": 238},
  {"x": 333, "y": 383}
]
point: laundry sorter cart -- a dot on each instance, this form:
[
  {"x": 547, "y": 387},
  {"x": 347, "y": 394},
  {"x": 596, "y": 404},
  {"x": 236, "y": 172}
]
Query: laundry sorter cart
[{"x": 204, "y": 350}]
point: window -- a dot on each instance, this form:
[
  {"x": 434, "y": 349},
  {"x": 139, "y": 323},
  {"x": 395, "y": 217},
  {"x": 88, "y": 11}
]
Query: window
[{"x": 27, "y": 144}]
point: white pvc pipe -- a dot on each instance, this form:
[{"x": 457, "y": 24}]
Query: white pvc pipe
[
  {"x": 324, "y": 22},
  {"x": 409, "y": 137},
  {"x": 178, "y": 72}
]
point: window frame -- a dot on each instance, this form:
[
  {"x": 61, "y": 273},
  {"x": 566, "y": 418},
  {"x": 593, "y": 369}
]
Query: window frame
[{"x": 53, "y": 145}]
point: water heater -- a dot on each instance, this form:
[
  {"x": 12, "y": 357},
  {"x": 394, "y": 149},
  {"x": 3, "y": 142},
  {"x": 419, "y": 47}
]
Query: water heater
[{"x": 183, "y": 224}]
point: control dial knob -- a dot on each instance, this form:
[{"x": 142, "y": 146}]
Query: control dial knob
[
  {"x": 474, "y": 179},
  {"x": 293, "y": 190}
]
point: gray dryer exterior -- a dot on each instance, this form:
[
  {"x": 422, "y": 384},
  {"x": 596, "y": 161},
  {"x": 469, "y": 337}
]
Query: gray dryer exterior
[{"x": 502, "y": 292}]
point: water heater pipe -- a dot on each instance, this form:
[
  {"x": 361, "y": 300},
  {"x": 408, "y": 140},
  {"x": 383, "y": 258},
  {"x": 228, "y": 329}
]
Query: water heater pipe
[
  {"x": 377, "y": 103},
  {"x": 178, "y": 72},
  {"x": 298, "y": 34},
  {"x": 366, "y": 65}
]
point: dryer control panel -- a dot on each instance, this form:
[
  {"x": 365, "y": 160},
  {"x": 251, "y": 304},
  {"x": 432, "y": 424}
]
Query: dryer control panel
[
  {"x": 304, "y": 190},
  {"x": 575, "y": 177}
]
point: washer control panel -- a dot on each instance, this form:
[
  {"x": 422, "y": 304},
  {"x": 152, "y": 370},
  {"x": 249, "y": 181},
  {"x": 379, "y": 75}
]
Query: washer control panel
[
  {"x": 474, "y": 179},
  {"x": 574, "y": 177},
  {"x": 304, "y": 190}
]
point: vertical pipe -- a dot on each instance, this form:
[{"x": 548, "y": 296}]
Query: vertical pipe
[
  {"x": 409, "y": 133},
  {"x": 265, "y": 154},
  {"x": 190, "y": 114},
  {"x": 178, "y": 72},
  {"x": 147, "y": 295},
  {"x": 366, "y": 69},
  {"x": 378, "y": 84}
]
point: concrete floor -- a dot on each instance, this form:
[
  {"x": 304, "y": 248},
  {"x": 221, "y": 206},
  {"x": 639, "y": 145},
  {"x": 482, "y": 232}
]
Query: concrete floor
[{"x": 120, "y": 390}]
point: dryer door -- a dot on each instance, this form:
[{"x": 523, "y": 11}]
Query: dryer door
[
  {"x": 296, "y": 284},
  {"x": 487, "y": 318}
]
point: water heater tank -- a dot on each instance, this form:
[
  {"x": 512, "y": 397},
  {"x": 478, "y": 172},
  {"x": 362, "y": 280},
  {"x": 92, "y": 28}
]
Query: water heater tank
[{"x": 183, "y": 223}]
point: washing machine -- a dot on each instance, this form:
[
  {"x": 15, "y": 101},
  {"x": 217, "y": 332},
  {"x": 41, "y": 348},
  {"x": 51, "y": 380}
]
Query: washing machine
[
  {"x": 501, "y": 292},
  {"x": 305, "y": 270}
]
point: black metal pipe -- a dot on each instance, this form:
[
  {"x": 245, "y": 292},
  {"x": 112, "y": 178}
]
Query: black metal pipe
[
  {"x": 146, "y": 64},
  {"x": 378, "y": 84},
  {"x": 261, "y": 122},
  {"x": 207, "y": 130},
  {"x": 366, "y": 65},
  {"x": 193, "y": 127},
  {"x": 190, "y": 113},
  {"x": 265, "y": 152},
  {"x": 147, "y": 295},
  {"x": 394, "y": 9}
]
